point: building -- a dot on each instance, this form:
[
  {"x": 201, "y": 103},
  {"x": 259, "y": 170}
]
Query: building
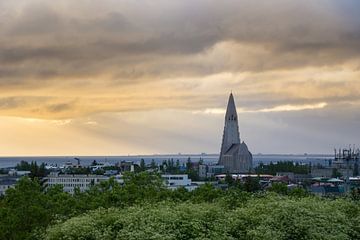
[
  {"x": 345, "y": 164},
  {"x": 83, "y": 181},
  {"x": 174, "y": 181},
  {"x": 71, "y": 181},
  {"x": 208, "y": 171},
  {"x": 295, "y": 177},
  {"x": 243, "y": 177},
  {"x": 234, "y": 154},
  {"x": 203, "y": 171},
  {"x": 14, "y": 172},
  {"x": 126, "y": 166},
  {"x": 214, "y": 169},
  {"x": 327, "y": 186},
  {"x": 7, "y": 182}
]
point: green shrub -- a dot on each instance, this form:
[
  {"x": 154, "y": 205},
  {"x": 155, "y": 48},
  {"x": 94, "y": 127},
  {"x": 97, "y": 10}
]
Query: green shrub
[{"x": 271, "y": 217}]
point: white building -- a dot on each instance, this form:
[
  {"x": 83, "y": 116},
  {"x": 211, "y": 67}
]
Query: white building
[
  {"x": 174, "y": 181},
  {"x": 14, "y": 172},
  {"x": 71, "y": 181}
]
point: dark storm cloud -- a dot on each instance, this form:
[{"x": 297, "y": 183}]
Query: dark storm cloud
[
  {"x": 9, "y": 56},
  {"x": 138, "y": 33},
  {"x": 96, "y": 47},
  {"x": 111, "y": 72}
]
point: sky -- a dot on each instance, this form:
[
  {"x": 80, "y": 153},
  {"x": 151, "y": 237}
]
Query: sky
[{"x": 118, "y": 77}]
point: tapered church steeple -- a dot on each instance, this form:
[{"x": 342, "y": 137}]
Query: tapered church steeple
[
  {"x": 231, "y": 129},
  {"x": 234, "y": 155}
]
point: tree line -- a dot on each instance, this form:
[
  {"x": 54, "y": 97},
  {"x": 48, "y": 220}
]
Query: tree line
[
  {"x": 283, "y": 166},
  {"x": 111, "y": 211}
]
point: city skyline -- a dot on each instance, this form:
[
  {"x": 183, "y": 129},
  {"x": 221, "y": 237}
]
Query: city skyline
[{"x": 125, "y": 77}]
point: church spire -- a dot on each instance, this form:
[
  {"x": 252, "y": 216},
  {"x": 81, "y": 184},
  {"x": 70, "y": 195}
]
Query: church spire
[
  {"x": 231, "y": 129},
  {"x": 231, "y": 109},
  {"x": 234, "y": 156}
]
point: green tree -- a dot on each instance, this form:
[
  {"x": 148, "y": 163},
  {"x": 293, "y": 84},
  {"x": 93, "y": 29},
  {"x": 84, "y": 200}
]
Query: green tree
[
  {"x": 282, "y": 166},
  {"x": 229, "y": 179},
  {"x": 280, "y": 188},
  {"x": 24, "y": 209},
  {"x": 142, "y": 165},
  {"x": 189, "y": 166},
  {"x": 153, "y": 165},
  {"x": 335, "y": 173},
  {"x": 143, "y": 186},
  {"x": 356, "y": 169},
  {"x": 267, "y": 217},
  {"x": 206, "y": 193},
  {"x": 298, "y": 192},
  {"x": 252, "y": 184},
  {"x": 177, "y": 166},
  {"x": 23, "y": 166}
]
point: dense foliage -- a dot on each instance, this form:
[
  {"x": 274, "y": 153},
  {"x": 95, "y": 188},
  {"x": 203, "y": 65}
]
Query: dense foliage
[
  {"x": 270, "y": 217},
  {"x": 144, "y": 209},
  {"x": 33, "y": 167},
  {"x": 282, "y": 166}
]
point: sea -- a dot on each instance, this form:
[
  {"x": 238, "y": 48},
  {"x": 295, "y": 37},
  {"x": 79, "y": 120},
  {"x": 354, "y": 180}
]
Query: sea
[{"x": 10, "y": 162}]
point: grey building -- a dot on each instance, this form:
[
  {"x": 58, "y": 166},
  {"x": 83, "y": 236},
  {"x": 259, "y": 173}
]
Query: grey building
[
  {"x": 234, "y": 154},
  {"x": 71, "y": 181},
  {"x": 7, "y": 182}
]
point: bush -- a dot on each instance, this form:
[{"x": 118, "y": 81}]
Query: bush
[
  {"x": 144, "y": 209},
  {"x": 271, "y": 217}
]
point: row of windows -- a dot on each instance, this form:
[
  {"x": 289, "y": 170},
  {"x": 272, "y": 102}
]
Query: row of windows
[
  {"x": 232, "y": 118},
  {"x": 63, "y": 180},
  {"x": 174, "y": 178},
  {"x": 73, "y": 185}
]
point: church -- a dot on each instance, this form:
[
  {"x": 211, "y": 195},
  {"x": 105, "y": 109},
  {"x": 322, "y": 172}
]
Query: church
[{"x": 234, "y": 154}]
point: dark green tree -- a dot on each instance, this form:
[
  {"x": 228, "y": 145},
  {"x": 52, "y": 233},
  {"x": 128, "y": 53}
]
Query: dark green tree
[
  {"x": 206, "y": 193},
  {"x": 335, "y": 173},
  {"x": 282, "y": 166},
  {"x": 142, "y": 165},
  {"x": 229, "y": 179},
  {"x": 24, "y": 209},
  {"x": 153, "y": 165},
  {"x": 280, "y": 188},
  {"x": 23, "y": 166},
  {"x": 252, "y": 184},
  {"x": 356, "y": 169}
]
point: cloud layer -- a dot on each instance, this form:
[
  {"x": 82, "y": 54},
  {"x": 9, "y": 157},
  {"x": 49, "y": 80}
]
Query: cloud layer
[{"x": 63, "y": 60}]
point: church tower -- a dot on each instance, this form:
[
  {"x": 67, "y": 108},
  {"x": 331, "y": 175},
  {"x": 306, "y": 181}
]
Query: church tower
[
  {"x": 234, "y": 155},
  {"x": 231, "y": 129}
]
